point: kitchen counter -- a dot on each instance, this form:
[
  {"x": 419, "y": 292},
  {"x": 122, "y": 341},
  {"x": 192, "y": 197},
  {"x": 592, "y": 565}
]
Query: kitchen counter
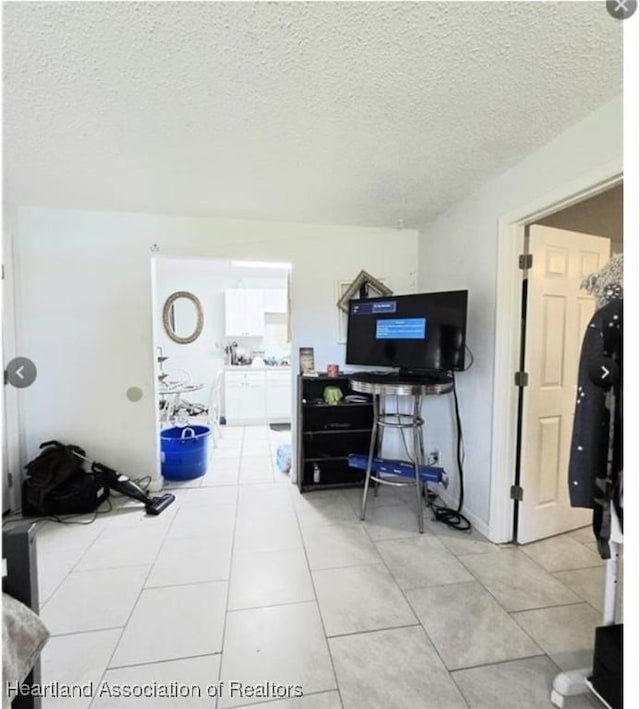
[{"x": 257, "y": 394}]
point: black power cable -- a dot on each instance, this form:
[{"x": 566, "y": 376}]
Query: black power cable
[{"x": 447, "y": 515}]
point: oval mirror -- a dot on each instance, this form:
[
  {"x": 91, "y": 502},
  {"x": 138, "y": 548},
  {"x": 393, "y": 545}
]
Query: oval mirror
[{"x": 183, "y": 317}]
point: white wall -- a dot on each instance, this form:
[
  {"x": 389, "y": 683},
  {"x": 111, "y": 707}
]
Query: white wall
[
  {"x": 459, "y": 250},
  {"x": 85, "y": 313},
  {"x": 204, "y": 278}
]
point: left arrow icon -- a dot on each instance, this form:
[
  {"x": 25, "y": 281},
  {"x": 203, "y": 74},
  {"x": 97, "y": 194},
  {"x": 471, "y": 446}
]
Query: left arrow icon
[{"x": 21, "y": 372}]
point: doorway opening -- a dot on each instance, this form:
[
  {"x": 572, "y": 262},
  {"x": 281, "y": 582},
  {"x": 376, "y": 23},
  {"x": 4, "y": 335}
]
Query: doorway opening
[
  {"x": 510, "y": 300},
  {"x": 559, "y": 252},
  {"x": 222, "y": 349}
]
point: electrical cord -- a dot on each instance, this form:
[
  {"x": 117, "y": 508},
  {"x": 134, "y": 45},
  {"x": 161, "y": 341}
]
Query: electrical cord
[
  {"x": 451, "y": 517},
  {"x": 473, "y": 359},
  {"x": 106, "y": 506},
  {"x": 67, "y": 519},
  {"x": 447, "y": 515}
]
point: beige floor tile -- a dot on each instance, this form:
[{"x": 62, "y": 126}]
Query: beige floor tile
[
  {"x": 517, "y": 582},
  {"x": 214, "y": 496},
  {"x": 338, "y": 545},
  {"x": 392, "y": 668},
  {"x": 172, "y": 623},
  {"x": 323, "y": 508},
  {"x": 198, "y": 673},
  {"x": 94, "y": 600},
  {"x": 421, "y": 561},
  {"x": 76, "y": 659},
  {"x": 565, "y": 633},
  {"x": 392, "y": 522},
  {"x": 468, "y": 627},
  {"x": 589, "y": 584},
  {"x": 264, "y": 499},
  {"x": 123, "y": 547},
  {"x": 561, "y": 553},
  {"x": 200, "y": 521},
  {"x": 269, "y": 578},
  {"x": 360, "y": 598},
  {"x": 461, "y": 543},
  {"x": 267, "y": 533},
  {"x": 53, "y": 568},
  {"x": 323, "y": 700},
  {"x": 511, "y": 685},
  {"x": 281, "y": 644},
  {"x": 192, "y": 560}
]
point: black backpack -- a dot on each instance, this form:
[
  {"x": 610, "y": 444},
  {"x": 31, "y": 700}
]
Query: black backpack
[{"x": 57, "y": 483}]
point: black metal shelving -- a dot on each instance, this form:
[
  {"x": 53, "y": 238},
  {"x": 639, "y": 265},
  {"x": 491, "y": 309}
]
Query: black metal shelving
[{"x": 328, "y": 433}]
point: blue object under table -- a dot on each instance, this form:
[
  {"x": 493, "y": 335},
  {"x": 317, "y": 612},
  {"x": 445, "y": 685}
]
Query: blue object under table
[{"x": 401, "y": 468}]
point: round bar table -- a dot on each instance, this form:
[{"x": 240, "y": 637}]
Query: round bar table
[{"x": 393, "y": 384}]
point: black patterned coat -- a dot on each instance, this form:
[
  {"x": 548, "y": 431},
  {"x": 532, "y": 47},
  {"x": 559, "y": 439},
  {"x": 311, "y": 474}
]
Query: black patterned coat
[{"x": 595, "y": 465}]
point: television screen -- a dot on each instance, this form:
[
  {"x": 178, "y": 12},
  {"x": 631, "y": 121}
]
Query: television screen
[{"x": 420, "y": 332}]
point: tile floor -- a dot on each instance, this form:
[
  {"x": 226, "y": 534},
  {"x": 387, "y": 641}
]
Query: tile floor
[{"x": 245, "y": 580}]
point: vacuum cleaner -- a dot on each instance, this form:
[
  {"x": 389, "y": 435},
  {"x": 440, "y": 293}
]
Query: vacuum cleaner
[
  {"x": 125, "y": 486},
  {"x": 112, "y": 480}
]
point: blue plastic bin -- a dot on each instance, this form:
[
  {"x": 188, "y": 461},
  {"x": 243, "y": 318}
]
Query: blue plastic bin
[{"x": 184, "y": 452}]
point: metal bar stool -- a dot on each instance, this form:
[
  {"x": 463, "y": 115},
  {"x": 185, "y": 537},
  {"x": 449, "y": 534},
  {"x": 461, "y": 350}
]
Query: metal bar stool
[{"x": 381, "y": 386}]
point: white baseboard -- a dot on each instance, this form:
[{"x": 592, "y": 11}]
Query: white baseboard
[
  {"x": 156, "y": 485},
  {"x": 477, "y": 523},
  {"x": 255, "y": 422}
]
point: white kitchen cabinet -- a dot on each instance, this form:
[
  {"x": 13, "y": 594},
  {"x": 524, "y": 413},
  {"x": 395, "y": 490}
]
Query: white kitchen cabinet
[
  {"x": 275, "y": 300},
  {"x": 244, "y": 397},
  {"x": 278, "y": 394},
  {"x": 257, "y": 396},
  {"x": 244, "y": 312}
]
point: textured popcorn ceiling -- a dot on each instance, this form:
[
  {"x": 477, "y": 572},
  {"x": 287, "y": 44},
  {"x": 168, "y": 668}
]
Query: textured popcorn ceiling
[{"x": 351, "y": 113}]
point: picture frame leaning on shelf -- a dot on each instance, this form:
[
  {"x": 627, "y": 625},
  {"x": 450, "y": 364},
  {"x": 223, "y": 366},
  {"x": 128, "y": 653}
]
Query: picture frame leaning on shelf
[
  {"x": 363, "y": 285},
  {"x": 307, "y": 360}
]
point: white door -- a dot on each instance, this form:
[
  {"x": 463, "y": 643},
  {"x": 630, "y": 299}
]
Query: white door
[
  {"x": 558, "y": 313},
  {"x": 10, "y": 429}
]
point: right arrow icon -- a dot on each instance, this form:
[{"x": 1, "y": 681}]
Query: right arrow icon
[{"x": 605, "y": 372}]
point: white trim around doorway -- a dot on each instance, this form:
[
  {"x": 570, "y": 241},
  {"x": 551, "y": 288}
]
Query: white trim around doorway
[{"x": 511, "y": 228}]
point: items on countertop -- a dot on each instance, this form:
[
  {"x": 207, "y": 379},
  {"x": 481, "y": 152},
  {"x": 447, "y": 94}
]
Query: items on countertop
[{"x": 236, "y": 356}]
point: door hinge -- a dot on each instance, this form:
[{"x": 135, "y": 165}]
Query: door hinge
[
  {"x": 10, "y": 479},
  {"x": 516, "y": 493},
  {"x": 521, "y": 379},
  {"x": 525, "y": 261}
]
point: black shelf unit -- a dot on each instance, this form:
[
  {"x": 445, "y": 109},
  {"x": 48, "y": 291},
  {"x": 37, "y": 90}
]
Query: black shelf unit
[{"x": 328, "y": 433}]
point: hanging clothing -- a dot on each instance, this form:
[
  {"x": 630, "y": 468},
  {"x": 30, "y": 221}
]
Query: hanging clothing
[{"x": 595, "y": 465}]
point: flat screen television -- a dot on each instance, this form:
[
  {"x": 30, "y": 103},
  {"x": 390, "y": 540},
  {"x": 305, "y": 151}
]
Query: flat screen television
[{"x": 422, "y": 332}]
